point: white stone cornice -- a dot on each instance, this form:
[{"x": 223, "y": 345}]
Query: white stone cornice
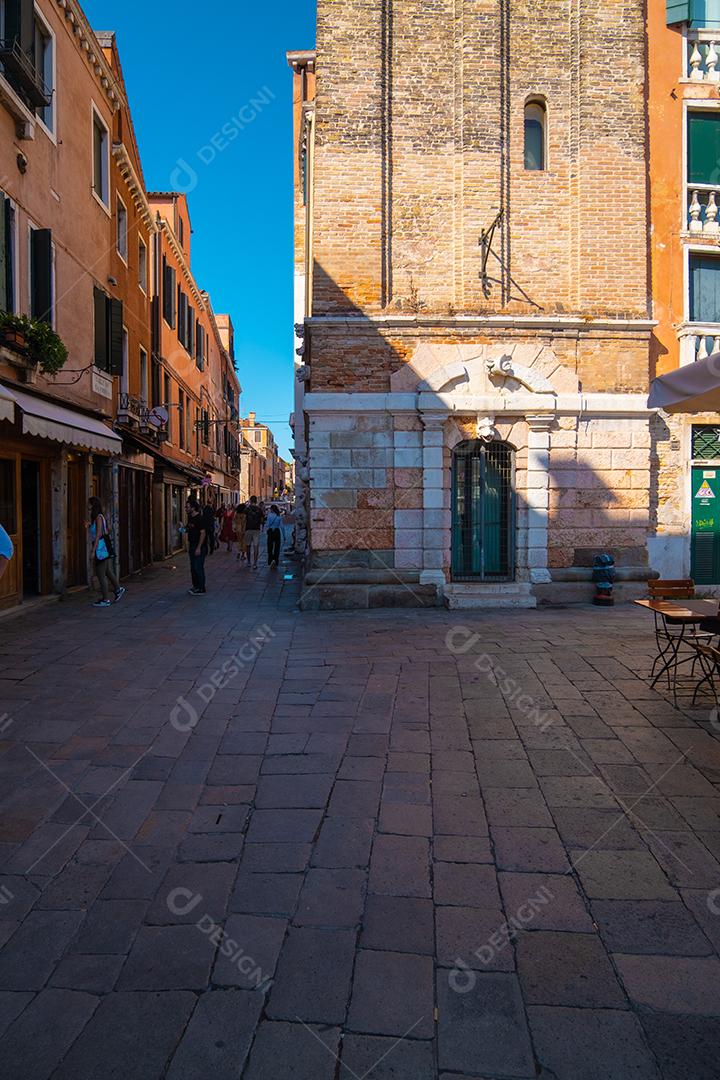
[
  {"x": 91, "y": 47},
  {"x": 520, "y": 405},
  {"x": 164, "y": 227},
  {"x": 559, "y": 323},
  {"x": 127, "y": 171}
]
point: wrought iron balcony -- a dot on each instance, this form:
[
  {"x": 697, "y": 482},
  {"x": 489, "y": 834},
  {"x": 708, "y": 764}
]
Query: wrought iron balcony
[
  {"x": 23, "y": 75},
  {"x": 132, "y": 410}
]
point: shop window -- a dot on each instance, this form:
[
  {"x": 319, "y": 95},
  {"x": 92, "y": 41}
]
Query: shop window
[{"x": 535, "y": 135}]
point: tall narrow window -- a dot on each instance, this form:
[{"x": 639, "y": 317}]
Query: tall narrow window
[
  {"x": 142, "y": 265},
  {"x": 169, "y": 298},
  {"x": 41, "y": 275},
  {"x": 122, "y": 230},
  {"x": 167, "y": 403},
  {"x": 125, "y": 372},
  {"x": 535, "y": 136},
  {"x": 8, "y": 268},
  {"x": 143, "y": 376},
  {"x": 181, "y": 419},
  {"x": 110, "y": 334},
  {"x": 44, "y": 57},
  {"x": 156, "y": 383},
  {"x": 100, "y": 159}
]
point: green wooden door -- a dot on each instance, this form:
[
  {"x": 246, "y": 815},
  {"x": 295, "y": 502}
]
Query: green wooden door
[
  {"x": 483, "y": 534},
  {"x": 705, "y": 534}
]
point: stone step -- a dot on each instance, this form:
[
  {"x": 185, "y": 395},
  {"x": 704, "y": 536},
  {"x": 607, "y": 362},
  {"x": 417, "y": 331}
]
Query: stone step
[
  {"x": 489, "y": 594},
  {"x": 344, "y": 597},
  {"x": 361, "y": 575}
]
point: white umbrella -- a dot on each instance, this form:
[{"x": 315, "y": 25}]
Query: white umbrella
[{"x": 693, "y": 388}]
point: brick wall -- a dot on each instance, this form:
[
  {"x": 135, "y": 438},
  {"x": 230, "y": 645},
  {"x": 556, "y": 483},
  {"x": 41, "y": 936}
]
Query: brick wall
[{"x": 409, "y": 156}]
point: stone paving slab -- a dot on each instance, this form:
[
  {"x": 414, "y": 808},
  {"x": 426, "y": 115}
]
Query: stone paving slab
[{"x": 358, "y": 856}]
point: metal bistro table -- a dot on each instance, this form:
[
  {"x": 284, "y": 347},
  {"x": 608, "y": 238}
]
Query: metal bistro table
[{"x": 684, "y": 615}]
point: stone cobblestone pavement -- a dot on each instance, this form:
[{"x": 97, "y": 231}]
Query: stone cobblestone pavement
[{"x": 239, "y": 841}]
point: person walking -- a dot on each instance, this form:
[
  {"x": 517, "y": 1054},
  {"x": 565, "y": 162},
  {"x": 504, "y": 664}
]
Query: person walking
[
  {"x": 102, "y": 553},
  {"x": 209, "y": 518},
  {"x": 227, "y": 527},
  {"x": 7, "y": 550},
  {"x": 253, "y": 528},
  {"x": 288, "y": 529},
  {"x": 240, "y": 530},
  {"x": 197, "y": 545},
  {"x": 274, "y": 535}
]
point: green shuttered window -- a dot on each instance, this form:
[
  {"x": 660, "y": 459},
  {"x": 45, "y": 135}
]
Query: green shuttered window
[
  {"x": 703, "y": 148},
  {"x": 699, "y": 14},
  {"x": 704, "y": 288}
]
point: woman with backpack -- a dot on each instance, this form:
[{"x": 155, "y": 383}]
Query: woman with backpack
[{"x": 102, "y": 553}]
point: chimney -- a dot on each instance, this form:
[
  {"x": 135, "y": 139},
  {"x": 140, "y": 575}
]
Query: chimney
[{"x": 251, "y": 417}]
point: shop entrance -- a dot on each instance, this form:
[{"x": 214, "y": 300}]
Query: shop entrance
[{"x": 31, "y": 522}]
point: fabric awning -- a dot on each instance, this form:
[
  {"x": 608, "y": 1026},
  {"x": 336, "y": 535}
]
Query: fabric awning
[
  {"x": 693, "y": 388},
  {"x": 7, "y": 404},
  {"x": 48, "y": 420}
]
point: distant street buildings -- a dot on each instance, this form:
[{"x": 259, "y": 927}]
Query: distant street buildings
[
  {"x": 262, "y": 470},
  {"x": 506, "y": 223}
]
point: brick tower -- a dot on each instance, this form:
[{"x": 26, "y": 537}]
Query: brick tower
[{"x": 473, "y": 292}]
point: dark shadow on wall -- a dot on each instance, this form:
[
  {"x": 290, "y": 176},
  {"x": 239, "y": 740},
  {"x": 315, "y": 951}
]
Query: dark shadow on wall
[{"x": 350, "y": 353}]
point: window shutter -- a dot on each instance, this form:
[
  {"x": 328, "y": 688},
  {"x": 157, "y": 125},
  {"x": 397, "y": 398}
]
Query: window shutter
[
  {"x": 704, "y": 288},
  {"x": 677, "y": 11},
  {"x": 4, "y": 255},
  {"x": 191, "y": 330},
  {"x": 20, "y": 22},
  {"x": 101, "y": 328},
  {"x": 41, "y": 274},
  {"x": 10, "y": 255},
  {"x": 116, "y": 337},
  {"x": 703, "y": 148}
]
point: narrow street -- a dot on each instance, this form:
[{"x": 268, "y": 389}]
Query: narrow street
[{"x": 240, "y": 841}]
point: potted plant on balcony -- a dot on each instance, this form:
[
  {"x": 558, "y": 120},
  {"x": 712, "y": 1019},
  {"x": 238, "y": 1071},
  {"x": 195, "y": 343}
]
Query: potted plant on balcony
[
  {"x": 46, "y": 348},
  {"x": 13, "y": 331},
  {"x": 35, "y": 343}
]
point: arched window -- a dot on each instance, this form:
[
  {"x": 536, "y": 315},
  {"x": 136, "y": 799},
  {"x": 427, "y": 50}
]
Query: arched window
[
  {"x": 535, "y": 135},
  {"x": 483, "y": 511}
]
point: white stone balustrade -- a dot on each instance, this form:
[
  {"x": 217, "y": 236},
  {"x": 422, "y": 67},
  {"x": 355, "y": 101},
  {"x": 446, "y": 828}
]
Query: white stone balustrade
[
  {"x": 701, "y": 346},
  {"x": 703, "y": 208},
  {"x": 698, "y": 341},
  {"x": 703, "y": 60}
]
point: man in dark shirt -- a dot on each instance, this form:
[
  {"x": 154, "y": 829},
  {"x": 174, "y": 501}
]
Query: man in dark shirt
[
  {"x": 197, "y": 546},
  {"x": 208, "y": 516}
]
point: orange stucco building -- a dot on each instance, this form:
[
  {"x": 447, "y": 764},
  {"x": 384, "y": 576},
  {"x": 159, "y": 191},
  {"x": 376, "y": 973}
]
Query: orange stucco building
[
  {"x": 56, "y": 123},
  {"x": 684, "y": 236},
  {"x": 92, "y": 264}
]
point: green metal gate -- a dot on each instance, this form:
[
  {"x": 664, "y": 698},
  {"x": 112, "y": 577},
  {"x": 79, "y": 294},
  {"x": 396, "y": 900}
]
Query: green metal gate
[{"x": 483, "y": 512}]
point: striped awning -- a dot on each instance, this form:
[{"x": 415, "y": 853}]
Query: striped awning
[
  {"x": 49, "y": 420},
  {"x": 7, "y": 404}
]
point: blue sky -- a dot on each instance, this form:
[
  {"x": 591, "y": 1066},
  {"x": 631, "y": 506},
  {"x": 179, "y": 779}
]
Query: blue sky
[{"x": 187, "y": 80}]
